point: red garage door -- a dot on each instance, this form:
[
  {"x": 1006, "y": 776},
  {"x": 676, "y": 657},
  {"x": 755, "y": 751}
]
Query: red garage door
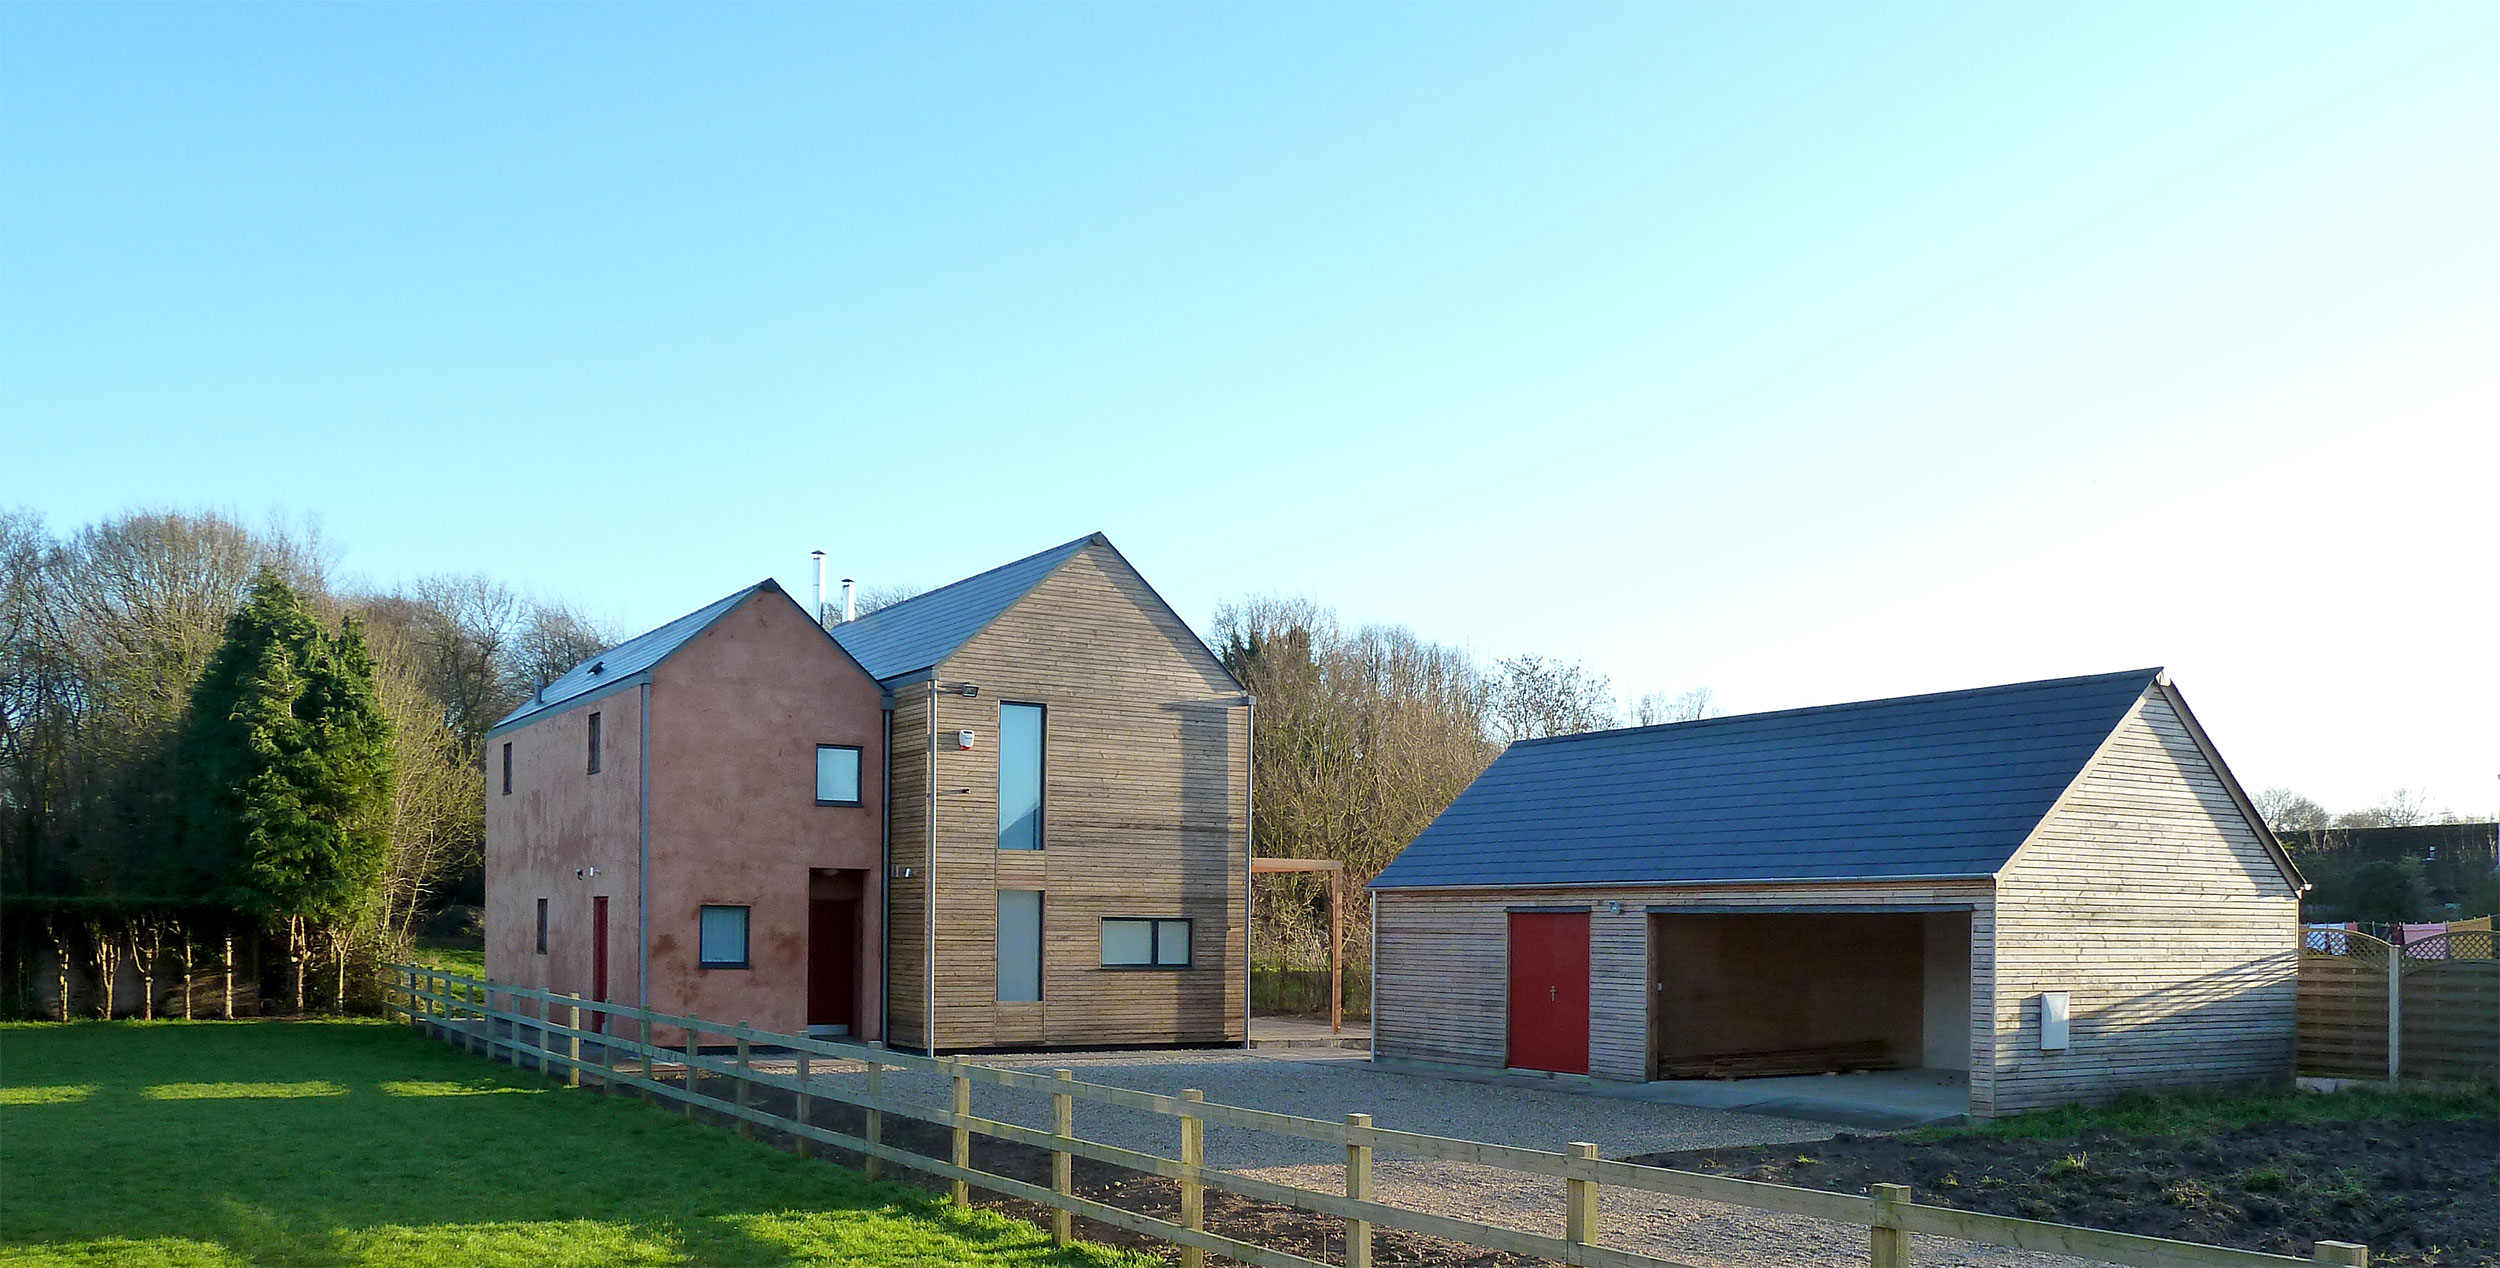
[{"x": 1549, "y": 991}]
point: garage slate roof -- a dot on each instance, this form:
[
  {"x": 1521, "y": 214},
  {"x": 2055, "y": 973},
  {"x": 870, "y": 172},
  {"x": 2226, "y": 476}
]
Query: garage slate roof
[
  {"x": 922, "y": 631},
  {"x": 628, "y": 658},
  {"x": 1942, "y": 785}
]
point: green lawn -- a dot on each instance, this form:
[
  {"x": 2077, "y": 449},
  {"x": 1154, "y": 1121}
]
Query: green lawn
[
  {"x": 356, "y": 1142},
  {"x": 466, "y": 961}
]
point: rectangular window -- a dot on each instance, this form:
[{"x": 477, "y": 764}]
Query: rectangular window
[
  {"x": 1019, "y": 946},
  {"x": 507, "y": 768},
  {"x": 594, "y": 744},
  {"x": 1019, "y": 777},
  {"x": 1134, "y": 943},
  {"x": 542, "y": 926},
  {"x": 724, "y": 938},
  {"x": 837, "y": 775}
]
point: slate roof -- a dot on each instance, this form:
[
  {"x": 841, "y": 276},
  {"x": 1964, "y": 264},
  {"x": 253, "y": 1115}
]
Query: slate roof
[
  {"x": 628, "y": 658},
  {"x": 922, "y": 631},
  {"x": 1920, "y": 786}
]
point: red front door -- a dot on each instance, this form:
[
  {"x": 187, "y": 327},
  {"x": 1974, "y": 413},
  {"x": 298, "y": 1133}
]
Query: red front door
[
  {"x": 1549, "y": 991},
  {"x": 833, "y": 963},
  {"x": 599, "y": 961}
]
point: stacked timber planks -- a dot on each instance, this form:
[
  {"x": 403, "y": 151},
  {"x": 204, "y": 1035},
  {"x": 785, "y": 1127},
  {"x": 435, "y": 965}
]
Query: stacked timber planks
[{"x": 1837, "y": 1058}]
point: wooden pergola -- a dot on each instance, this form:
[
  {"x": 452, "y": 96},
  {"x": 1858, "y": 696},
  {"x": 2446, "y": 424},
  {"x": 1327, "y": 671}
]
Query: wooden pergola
[{"x": 1336, "y": 925}]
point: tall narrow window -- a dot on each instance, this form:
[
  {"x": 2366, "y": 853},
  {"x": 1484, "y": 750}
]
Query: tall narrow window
[
  {"x": 507, "y": 768},
  {"x": 837, "y": 775},
  {"x": 542, "y": 926},
  {"x": 721, "y": 939},
  {"x": 1019, "y": 946},
  {"x": 1019, "y": 777},
  {"x": 594, "y": 744}
]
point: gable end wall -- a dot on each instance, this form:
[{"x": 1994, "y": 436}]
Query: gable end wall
[
  {"x": 2148, "y": 898},
  {"x": 1145, "y": 805}
]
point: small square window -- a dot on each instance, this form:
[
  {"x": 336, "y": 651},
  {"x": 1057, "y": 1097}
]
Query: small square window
[
  {"x": 1128, "y": 943},
  {"x": 1172, "y": 944},
  {"x": 724, "y": 938},
  {"x": 837, "y": 774}
]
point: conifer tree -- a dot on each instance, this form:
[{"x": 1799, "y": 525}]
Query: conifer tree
[{"x": 284, "y": 767}]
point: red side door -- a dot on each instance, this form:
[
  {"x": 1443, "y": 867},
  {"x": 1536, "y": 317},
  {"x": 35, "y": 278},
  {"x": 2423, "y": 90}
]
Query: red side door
[
  {"x": 599, "y": 960},
  {"x": 1549, "y": 991}
]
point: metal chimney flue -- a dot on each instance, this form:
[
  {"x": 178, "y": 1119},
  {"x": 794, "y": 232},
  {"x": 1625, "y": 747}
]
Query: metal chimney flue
[
  {"x": 850, "y": 600},
  {"x": 819, "y": 557}
]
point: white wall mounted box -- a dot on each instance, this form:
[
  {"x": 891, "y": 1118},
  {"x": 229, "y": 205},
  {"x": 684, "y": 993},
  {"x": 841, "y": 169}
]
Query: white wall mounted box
[
  {"x": 2053, "y": 1021},
  {"x": 965, "y": 739}
]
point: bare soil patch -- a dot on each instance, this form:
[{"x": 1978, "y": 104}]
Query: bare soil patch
[{"x": 2415, "y": 1192}]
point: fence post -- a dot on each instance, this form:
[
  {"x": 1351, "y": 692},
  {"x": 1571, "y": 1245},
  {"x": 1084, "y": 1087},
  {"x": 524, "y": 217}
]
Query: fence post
[
  {"x": 1580, "y": 1211},
  {"x": 2395, "y": 1013},
  {"x": 573, "y": 1042},
  {"x": 746, "y": 1128},
  {"x": 1193, "y": 1193},
  {"x": 694, "y": 1043},
  {"x": 1062, "y": 1163},
  {"x": 1887, "y": 1243},
  {"x": 469, "y": 1036},
  {"x": 644, "y": 1053},
  {"x": 2343, "y": 1254},
  {"x": 1358, "y": 1185},
  {"x": 798, "y": 1112},
  {"x": 961, "y": 1154},
  {"x": 874, "y": 1166},
  {"x": 607, "y": 1048}
]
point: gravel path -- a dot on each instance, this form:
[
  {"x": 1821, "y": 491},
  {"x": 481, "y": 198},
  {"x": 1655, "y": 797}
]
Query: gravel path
[{"x": 1328, "y": 1084}]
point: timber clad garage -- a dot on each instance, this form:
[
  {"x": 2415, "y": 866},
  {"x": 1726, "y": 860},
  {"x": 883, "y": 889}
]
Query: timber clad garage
[{"x": 2055, "y": 891}]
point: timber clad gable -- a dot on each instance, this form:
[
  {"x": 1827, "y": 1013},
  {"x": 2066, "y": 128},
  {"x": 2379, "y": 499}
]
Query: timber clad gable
[
  {"x": 2152, "y": 900},
  {"x": 1145, "y": 814}
]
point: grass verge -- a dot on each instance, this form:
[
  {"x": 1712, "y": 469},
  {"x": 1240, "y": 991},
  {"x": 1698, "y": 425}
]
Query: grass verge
[
  {"x": 2198, "y": 1114},
  {"x": 466, "y": 961},
  {"x": 354, "y": 1142}
]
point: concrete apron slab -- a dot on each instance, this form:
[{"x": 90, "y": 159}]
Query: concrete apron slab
[
  {"x": 1875, "y": 1100},
  {"x": 1879, "y": 1100},
  {"x": 1306, "y": 1032}
]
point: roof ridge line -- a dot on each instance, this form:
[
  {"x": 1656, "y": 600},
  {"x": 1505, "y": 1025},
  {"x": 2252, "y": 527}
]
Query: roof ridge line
[
  {"x": 2147, "y": 673},
  {"x": 900, "y": 604}
]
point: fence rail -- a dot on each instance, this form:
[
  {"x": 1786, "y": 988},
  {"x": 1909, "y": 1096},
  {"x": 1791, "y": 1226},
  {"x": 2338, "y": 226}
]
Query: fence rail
[{"x": 465, "y": 1011}]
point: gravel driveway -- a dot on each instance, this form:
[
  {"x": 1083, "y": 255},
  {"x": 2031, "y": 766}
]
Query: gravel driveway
[{"x": 1328, "y": 1084}]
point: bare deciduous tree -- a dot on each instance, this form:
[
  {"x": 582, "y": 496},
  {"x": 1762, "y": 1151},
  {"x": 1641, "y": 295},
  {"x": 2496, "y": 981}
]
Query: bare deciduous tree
[
  {"x": 1534, "y": 697},
  {"x": 2287, "y": 811},
  {"x": 870, "y": 598},
  {"x": 2402, "y": 808},
  {"x": 1685, "y": 706}
]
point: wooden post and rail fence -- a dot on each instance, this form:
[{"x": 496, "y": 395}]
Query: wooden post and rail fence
[{"x": 517, "y": 1024}]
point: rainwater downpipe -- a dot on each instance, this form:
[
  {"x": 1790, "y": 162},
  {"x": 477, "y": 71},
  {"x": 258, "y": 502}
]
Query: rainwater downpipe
[
  {"x": 642, "y": 869},
  {"x": 928, "y": 1020},
  {"x": 1249, "y": 851},
  {"x": 885, "y": 878}
]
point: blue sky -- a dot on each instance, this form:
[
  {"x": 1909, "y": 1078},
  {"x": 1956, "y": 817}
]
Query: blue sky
[{"x": 1804, "y": 352}]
